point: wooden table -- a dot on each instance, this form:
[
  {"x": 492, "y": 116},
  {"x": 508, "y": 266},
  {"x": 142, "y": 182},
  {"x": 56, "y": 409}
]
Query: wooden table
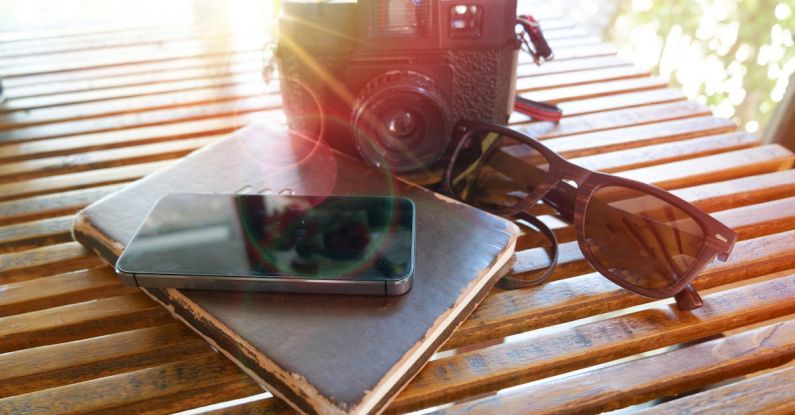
[{"x": 90, "y": 112}]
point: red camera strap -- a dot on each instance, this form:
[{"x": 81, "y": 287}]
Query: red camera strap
[{"x": 541, "y": 111}]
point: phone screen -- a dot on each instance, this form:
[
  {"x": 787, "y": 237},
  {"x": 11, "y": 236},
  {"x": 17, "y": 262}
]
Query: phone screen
[{"x": 334, "y": 237}]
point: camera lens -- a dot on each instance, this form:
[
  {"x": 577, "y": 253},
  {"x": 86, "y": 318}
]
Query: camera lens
[{"x": 400, "y": 122}]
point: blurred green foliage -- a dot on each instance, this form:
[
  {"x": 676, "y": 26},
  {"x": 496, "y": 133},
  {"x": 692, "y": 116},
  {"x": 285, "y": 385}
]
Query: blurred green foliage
[{"x": 737, "y": 56}]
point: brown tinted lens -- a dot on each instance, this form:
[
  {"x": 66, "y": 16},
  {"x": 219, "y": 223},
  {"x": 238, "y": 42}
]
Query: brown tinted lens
[
  {"x": 497, "y": 171},
  {"x": 639, "y": 238}
]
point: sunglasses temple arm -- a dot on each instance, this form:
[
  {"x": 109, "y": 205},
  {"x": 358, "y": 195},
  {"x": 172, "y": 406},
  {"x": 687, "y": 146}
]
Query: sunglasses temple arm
[
  {"x": 688, "y": 299},
  {"x": 510, "y": 282}
]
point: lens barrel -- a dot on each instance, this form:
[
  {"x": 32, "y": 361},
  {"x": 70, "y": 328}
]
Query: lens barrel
[{"x": 400, "y": 122}]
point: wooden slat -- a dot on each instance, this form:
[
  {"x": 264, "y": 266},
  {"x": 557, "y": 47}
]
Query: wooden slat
[
  {"x": 571, "y": 93},
  {"x": 63, "y": 203},
  {"x": 29, "y": 235},
  {"x": 759, "y": 219},
  {"x": 88, "y": 33},
  {"x": 81, "y": 61},
  {"x": 621, "y": 100},
  {"x": 62, "y": 289},
  {"x": 584, "y": 51},
  {"x": 46, "y": 260},
  {"x": 271, "y": 406},
  {"x": 79, "y": 321},
  {"x": 227, "y": 76},
  {"x": 743, "y": 191},
  {"x": 565, "y": 32},
  {"x": 608, "y": 103},
  {"x": 106, "y": 41},
  {"x": 771, "y": 393},
  {"x": 197, "y": 381},
  {"x": 103, "y": 87},
  {"x": 722, "y": 166},
  {"x": 580, "y": 145},
  {"x": 572, "y": 65},
  {"x": 611, "y": 162},
  {"x": 536, "y": 83},
  {"x": 75, "y": 59},
  {"x": 101, "y": 159},
  {"x": 544, "y": 355},
  {"x": 55, "y": 365},
  {"x": 74, "y": 181},
  {"x": 232, "y": 108},
  {"x": 90, "y": 78},
  {"x": 613, "y": 119},
  {"x": 640, "y": 380},
  {"x": 504, "y": 313},
  {"x": 121, "y": 106},
  {"x": 125, "y": 138}
]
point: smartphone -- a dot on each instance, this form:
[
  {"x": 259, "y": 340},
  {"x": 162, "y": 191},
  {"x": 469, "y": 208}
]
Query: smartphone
[{"x": 306, "y": 244}]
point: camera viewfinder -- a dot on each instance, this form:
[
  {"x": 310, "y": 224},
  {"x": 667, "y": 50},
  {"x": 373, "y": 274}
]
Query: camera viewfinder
[{"x": 465, "y": 21}]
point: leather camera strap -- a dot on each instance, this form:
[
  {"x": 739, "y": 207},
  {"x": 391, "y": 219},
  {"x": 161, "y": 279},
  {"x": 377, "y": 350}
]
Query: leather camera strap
[{"x": 510, "y": 282}]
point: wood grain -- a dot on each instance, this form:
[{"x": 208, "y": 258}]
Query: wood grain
[
  {"x": 90, "y": 110},
  {"x": 580, "y": 145},
  {"x": 641, "y": 380},
  {"x": 45, "y": 260},
  {"x": 122, "y": 138},
  {"x": 62, "y": 203},
  {"x": 170, "y": 387},
  {"x": 540, "y": 82},
  {"x": 61, "y": 289},
  {"x": 79, "y": 321},
  {"x": 114, "y": 76},
  {"x": 230, "y": 107},
  {"x": 132, "y": 105},
  {"x": 223, "y": 76},
  {"x": 571, "y": 93},
  {"x": 613, "y": 119},
  {"x": 717, "y": 167},
  {"x": 611, "y": 162},
  {"x": 101, "y": 159},
  {"x": 610, "y": 102},
  {"x": 572, "y": 65},
  {"x": 569, "y": 297},
  {"x": 544, "y": 355},
  {"x": 37, "y": 233},
  {"x": 771, "y": 393},
  {"x": 73, "y": 181},
  {"x": 55, "y": 365}
]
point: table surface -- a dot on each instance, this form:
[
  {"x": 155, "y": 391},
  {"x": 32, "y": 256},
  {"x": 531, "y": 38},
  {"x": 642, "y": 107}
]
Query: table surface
[{"x": 90, "y": 111}]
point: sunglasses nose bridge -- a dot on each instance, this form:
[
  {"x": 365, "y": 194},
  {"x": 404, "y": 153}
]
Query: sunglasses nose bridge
[{"x": 574, "y": 173}]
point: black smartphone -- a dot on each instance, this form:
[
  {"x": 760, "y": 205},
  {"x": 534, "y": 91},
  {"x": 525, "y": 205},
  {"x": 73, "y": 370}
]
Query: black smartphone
[{"x": 308, "y": 244}]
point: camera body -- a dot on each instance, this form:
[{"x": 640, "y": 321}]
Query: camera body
[{"x": 387, "y": 79}]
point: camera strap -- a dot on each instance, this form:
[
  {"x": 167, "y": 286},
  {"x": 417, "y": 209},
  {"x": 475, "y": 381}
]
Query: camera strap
[
  {"x": 541, "y": 111},
  {"x": 533, "y": 39},
  {"x": 534, "y": 43}
]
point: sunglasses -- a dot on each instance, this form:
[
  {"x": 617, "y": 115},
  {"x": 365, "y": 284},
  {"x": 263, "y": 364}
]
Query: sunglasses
[{"x": 639, "y": 236}]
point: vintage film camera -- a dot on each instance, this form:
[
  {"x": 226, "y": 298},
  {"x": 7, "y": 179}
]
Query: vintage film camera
[{"x": 388, "y": 79}]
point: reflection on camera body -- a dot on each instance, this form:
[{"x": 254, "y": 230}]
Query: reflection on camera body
[{"x": 387, "y": 79}]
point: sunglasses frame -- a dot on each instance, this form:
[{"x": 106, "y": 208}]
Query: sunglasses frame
[{"x": 561, "y": 195}]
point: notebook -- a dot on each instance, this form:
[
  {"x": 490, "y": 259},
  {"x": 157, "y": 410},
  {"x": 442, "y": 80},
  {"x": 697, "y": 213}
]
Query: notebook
[{"x": 330, "y": 354}]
